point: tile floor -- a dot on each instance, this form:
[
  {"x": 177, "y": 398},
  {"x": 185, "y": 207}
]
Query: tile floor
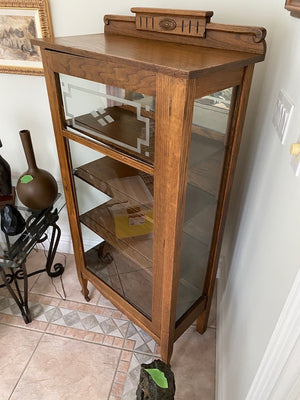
[{"x": 78, "y": 350}]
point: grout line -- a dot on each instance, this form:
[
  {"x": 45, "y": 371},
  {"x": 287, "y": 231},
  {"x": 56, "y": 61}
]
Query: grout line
[
  {"x": 115, "y": 374},
  {"x": 25, "y": 367},
  {"x": 49, "y": 322},
  {"x": 113, "y": 381},
  {"x": 99, "y": 344},
  {"x": 22, "y": 327}
]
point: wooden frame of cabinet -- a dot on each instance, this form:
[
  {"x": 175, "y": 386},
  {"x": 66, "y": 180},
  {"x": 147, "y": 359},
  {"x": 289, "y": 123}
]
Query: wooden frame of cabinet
[
  {"x": 193, "y": 58},
  {"x": 294, "y": 7}
]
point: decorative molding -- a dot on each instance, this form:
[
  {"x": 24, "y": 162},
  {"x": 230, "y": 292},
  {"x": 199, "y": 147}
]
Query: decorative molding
[
  {"x": 294, "y": 7},
  {"x": 178, "y": 22},
  {"x": 282, "y": 342},
  {"x": 187, "y": 27},
  {"x": 258, "y": 34}
]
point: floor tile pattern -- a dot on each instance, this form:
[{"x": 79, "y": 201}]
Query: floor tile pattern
[{"x": 93, "y": 342}]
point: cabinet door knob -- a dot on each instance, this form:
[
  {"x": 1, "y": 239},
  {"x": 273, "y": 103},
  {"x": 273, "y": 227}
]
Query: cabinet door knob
[{"x": 295, "y": 149}]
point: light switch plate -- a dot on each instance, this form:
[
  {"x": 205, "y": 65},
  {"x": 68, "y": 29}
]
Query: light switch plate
[{"x": 282, "y": 114}]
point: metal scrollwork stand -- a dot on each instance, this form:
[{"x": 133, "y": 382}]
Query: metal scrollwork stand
[{"x": 36, "y": 226}]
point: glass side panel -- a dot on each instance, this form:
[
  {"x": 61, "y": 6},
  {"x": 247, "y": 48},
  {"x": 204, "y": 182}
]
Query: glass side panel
[
  {"x": 210, "y": 122},
  {"x": 121, "y": 119},
  {"x": 116, "y": 214}
]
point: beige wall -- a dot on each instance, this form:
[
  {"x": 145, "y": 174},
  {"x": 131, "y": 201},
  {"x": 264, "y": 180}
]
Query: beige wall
[
  {"x": 261, "y": 244},
  {"x": 262, "y": 240}
]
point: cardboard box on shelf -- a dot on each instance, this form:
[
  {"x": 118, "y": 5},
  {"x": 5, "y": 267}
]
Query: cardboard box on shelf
[{"x": 133, "y": 217}]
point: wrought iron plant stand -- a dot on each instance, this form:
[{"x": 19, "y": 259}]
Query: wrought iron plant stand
[{"x": 14, "y": 254}]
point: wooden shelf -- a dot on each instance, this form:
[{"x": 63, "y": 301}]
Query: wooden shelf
[
  {"x": 118, "y": 127},
  {"x": 201, "y": 225},
  {"x": 208, "y": 133},
  {"x": 205, "y": 164},
  {"x": 105, "y": 172},
  {"x": 196, "y": 236},
  {"x": 138, "y": 248},
  {"x": 204, "y": 170}
]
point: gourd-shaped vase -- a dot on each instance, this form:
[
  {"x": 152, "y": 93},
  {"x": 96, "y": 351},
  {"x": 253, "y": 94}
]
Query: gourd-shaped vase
[{"x": 36, "y": 188}]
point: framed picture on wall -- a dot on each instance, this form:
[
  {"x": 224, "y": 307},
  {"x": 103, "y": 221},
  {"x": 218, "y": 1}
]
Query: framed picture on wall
[
  {"x": 294, "y": 7},
  {"x": 21, "y": 21}
]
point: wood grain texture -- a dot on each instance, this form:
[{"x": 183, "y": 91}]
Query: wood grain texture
[
  {"x": 214, "y": 81},
  {"x": 173, "y": 114},
  {"x": 175, "y": 22},
  {"x": 115, "y": 154},
  {"x": 115, "y": 74},
  {"x": 189, "y": 318},
  {"x": 176, "y": 70},
  {"x": 139, "y": 249},
  {"x": 219, "y": 36},
  {"x": 151, "y": 55},
  {"x": 105, "y": 172},
  {"x": 169, "y": 11},
  {"x": 53, "y": 88},
  {"x": 294, "y": 7},
  {"x": 127, "y": 133}
]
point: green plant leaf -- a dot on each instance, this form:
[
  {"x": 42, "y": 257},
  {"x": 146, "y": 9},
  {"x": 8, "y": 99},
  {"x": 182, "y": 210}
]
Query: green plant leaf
[
  {"x": 158, "y": 377},
  {"x": 26, "y": 178}
]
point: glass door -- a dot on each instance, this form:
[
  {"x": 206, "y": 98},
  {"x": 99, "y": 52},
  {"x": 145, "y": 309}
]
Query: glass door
[
  {"x": 121, "y": 119},
  {"x": 115, "y": 199}
]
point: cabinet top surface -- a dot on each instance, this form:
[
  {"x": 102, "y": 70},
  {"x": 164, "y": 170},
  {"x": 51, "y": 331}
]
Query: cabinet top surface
[{"x": 184, "y": 60}]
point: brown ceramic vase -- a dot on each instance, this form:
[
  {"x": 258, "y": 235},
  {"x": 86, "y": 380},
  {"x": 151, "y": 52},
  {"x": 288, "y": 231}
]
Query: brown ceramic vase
[{"x": 36, "y": 188}]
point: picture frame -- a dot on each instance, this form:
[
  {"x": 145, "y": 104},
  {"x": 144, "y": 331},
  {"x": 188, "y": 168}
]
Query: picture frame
[
  {"x": 20, "y": 21},
  {"x": 294, "y": 7}
]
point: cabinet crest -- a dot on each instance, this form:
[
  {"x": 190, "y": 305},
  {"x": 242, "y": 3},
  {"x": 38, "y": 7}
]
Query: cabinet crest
[{"x": 178, "y": 22}]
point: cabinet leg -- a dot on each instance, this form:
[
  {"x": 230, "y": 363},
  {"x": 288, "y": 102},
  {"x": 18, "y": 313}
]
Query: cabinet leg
[
  {"x": 166, "y": 350},
  {"x": 84, "y": 289},
  {"x": 202, "y": 322}
]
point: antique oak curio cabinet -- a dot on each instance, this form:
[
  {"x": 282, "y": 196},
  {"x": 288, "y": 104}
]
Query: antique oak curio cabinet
[{"x": 148, "y": 119}]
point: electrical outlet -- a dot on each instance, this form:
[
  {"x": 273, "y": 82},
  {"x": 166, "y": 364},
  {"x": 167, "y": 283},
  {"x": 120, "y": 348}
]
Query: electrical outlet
[{"x": 282, "y": 114}]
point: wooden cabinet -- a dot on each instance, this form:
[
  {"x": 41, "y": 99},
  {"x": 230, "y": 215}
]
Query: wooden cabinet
[{"x": 148, "y": 119}]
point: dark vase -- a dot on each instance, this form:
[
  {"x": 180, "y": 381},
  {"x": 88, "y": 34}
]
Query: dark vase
[
  {"x": 5, "y": 177},
  {"x": 36, "y": 188},
  {"x": 12, "y": 221}
]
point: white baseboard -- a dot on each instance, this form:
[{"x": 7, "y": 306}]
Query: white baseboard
[{"x": 65, "y": 245}]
